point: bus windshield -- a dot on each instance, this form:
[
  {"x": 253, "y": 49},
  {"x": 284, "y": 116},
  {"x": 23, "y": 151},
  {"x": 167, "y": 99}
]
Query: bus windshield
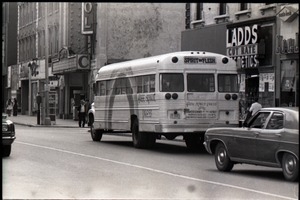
[
  {"x": 171, "y": 82},
  {"x": 228, "y": 83}
]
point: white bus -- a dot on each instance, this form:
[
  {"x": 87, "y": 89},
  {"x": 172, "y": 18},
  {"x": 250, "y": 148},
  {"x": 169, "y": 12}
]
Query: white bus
[{"x": 175, "y": 94}]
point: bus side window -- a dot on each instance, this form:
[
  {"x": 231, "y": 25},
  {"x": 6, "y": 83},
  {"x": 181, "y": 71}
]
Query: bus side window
[
  {"x": 108, "y": 86},
  {"x": 102, "y": 88},
  {"x": 152, "y": 83},
  {"x": 139, "y": 83}
]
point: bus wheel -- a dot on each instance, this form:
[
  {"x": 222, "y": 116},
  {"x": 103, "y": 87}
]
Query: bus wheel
[
  {"x": 95, "y": 134},
  {"x": 139, "y": 139},
  {"x": 194, "y": 142}
]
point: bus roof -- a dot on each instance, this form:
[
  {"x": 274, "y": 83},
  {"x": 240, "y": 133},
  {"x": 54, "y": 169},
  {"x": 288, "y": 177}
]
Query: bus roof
[{"x": 151, "y": 64}]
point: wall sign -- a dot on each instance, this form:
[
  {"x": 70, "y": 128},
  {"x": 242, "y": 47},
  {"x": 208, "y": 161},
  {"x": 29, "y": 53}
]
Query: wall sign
[
  {"x": 87, "y": 18},
  {"x": 287, "y": 46},
  {"x": 242, "y": 46},
  {"x": 287, "y": 14}
]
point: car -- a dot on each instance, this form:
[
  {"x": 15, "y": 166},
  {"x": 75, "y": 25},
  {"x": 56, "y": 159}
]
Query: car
[
  {"x": 8, "y": 135},
  {"x": 269, "y": 138}
]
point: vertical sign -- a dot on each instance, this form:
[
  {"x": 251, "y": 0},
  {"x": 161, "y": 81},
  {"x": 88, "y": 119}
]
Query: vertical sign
[{"x": 87, "y": 18}]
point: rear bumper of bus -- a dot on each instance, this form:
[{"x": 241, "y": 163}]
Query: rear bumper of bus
[{"x": 188, "y": 128}]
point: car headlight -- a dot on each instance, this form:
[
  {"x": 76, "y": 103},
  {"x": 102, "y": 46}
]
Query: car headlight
[
  {"x": 8, "y": 127},
  {"x": 4, "y": 127}
]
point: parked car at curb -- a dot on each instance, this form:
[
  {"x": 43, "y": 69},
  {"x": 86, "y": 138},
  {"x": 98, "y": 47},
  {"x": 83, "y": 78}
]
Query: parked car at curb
[
  {"x": 8, "y": 135},
  {"x": 269, "y": 138}
]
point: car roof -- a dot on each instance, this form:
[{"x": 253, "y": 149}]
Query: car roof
[{"x": 284, "y": 109}]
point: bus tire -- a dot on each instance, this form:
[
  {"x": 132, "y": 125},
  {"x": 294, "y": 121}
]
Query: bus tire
[
  {"x": 139, "y": 139},
  {"x": 96, "y": 134},
  {"x": 194, "y": 142}
]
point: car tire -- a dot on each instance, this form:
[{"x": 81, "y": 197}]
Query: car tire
[
  {"x": 222, "y": 159},
  {"x": 290, "y": 167},
  {"x": 6, "y": 149},
  {"x": 95, "y": 134},
  {"x": 139, "y": 139}
]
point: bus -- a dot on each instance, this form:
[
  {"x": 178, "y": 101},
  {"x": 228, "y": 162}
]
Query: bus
[{"x": 175, "y": 94}]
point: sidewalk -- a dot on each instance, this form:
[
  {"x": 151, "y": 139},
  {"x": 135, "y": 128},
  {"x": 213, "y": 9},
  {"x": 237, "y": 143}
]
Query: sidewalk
[{"x": 32, "y": 121}]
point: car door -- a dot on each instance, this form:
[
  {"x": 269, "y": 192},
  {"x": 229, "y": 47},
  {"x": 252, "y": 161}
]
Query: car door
[
  {"x": 244, "y": 142},
  {"x": 268, "y": 140}
]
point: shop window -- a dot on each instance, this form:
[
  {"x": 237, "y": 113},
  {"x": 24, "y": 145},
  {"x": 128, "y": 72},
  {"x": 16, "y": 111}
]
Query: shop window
[
  {"x": 265, "y": 45},
  {"x": 289, "y": 79}
]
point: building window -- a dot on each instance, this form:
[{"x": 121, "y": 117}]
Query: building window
[
  {"x": 199, "y": 11},
  {"x": 244, "y": 6},
  {"x": 222, "y": 10}
]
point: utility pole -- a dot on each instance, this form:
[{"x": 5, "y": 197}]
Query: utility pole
[{"x": 47, "y": 118}]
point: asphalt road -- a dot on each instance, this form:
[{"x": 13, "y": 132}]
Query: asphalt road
[{"x": 64, "y": 163}]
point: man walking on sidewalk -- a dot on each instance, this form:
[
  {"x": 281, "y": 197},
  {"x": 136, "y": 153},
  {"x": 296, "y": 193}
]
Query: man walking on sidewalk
[{"x": 81, "y": 113}]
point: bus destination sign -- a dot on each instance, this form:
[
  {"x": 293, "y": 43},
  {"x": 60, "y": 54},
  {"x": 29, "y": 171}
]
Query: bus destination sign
[{"x": 199, "y": 60}]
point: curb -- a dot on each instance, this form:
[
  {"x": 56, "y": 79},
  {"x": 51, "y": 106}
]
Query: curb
[{"x": 47, "y": 126}]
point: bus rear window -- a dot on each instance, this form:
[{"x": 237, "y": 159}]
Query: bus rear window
[
  {"x": 228, "y": 83},
  {"x": 171, "y": 82},
  {"x": 200, "y": 83}
]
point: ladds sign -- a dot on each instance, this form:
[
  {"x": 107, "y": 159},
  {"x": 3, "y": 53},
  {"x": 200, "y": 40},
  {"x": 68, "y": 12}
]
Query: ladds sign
[{"x": 242, "y": 46}]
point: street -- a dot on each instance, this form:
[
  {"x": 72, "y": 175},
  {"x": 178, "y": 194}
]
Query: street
[{"x": 64, "y": 163}]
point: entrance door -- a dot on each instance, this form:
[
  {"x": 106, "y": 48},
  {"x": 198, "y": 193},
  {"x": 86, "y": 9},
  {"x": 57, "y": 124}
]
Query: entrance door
[{"x": 252, "y": 89}]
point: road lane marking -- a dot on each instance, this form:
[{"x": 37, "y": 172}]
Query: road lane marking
[{"x": 157, "y": 171}]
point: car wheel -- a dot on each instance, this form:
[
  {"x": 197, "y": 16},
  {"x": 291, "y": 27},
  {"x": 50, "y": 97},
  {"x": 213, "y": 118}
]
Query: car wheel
[
  {"x": 139, "y": 139},
  {"x": 95, "y": 134},
  {"x": 290, "y": 167},
  {"x": 222, "y": 159},
  {"x": 6, "y": 149}
]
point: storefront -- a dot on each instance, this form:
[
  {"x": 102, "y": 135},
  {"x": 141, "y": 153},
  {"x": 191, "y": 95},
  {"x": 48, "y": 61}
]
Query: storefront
[
  {"x": 287, "y": 48},
  {"x": 251, "y": 43},
  {"x": 73, "y": 84}
]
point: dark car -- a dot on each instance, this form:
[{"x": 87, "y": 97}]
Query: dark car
[
  {"x": 269, "y": 138},
  {"x": 8, "y": 135}
]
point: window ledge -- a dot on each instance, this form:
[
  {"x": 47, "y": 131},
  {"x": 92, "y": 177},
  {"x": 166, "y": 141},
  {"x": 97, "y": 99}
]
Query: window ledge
[
  {"x": 267, "y": 7},
  {"x": 198, "y": 22},
  {"x": 220, "y": 18},
  {"x": 243, "y": 12}
]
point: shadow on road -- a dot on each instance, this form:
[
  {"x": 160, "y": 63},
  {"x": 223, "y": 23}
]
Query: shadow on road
[{"x": 159, "y": 147}]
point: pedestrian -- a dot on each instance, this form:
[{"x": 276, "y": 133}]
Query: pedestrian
[
  {"x": 9, "y": 107},
  {"x": 255, "y": 107},
  {"x": 15, "y": 107},
  {"x": 81, "y": 113}
]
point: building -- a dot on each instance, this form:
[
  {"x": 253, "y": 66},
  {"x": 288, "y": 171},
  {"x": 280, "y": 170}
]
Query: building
[
  {"x": 81, "y": 38},
  {"x": 263, "y": 39},
  {"x": 9, "y": 49}
]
